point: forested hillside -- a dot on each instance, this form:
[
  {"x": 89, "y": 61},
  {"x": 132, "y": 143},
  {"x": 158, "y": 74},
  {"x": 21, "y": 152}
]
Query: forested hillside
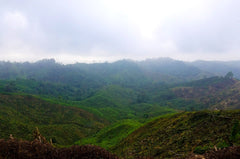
[
  {"x": 113, "y": 105},
  {"x": 122, "y": 72}
]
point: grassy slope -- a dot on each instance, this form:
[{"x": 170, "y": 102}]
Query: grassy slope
[
  {"x": 176, "y": 135},
  {"x": 112, "y": 135},
  {"x": 20, "y": 114}
]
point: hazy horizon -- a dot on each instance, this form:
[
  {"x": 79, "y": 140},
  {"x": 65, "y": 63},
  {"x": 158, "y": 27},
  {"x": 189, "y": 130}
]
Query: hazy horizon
[
  {"x": 128, "y": 59},
  {"x": 99, "y": 31}
]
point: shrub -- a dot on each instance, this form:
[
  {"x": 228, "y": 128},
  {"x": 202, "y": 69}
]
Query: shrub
[{"x": 201, "y": 149}]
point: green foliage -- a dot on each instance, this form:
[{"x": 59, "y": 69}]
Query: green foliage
[
  {"x": 222, "y": 144},
  {"x": 116, "y": 103},
  {"x": 20, "y": 115},
  {"x": 58, "y": 91},
  {"x": 112, "y": 135},
  {"x": 201, "y": 150}
]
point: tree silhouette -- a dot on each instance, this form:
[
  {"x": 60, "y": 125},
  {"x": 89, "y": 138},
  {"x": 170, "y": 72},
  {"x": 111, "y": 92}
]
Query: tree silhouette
[{"x": 229, "y": 75}]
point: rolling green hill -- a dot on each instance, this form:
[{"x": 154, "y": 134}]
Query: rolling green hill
[
  {"x": 115, "y": 103},
  {"x": 112, "y": 135},
  {"x": 179, "y": 134},
  {"x": 20, "y": 114},
  {"x": 108, "y": 104}
]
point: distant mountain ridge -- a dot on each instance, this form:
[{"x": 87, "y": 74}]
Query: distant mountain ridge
[
  {"x": 95, "y": 86},
  {"x": 80, "y": 80},
  {"x": 43, "y": 69},
  {"x": 219, "y": 68}
]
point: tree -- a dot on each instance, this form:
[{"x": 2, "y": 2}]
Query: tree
[{"x": 229, "y": 75}]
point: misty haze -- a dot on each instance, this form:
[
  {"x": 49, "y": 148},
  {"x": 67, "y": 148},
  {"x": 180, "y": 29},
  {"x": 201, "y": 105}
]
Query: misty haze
[{"x": 122, "y": 79}]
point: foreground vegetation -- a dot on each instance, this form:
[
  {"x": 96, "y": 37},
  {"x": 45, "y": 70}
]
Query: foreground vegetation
[
  {"x": 179, "y": 134},
  {"x": 36, "y": 149}
]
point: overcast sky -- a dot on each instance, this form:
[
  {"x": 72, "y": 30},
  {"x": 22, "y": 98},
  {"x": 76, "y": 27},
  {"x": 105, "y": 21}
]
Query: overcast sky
[{"x": 106, "y": 30}]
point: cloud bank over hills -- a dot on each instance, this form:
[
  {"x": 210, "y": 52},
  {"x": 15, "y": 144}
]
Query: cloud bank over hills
[{"x": 87, "y": 31}]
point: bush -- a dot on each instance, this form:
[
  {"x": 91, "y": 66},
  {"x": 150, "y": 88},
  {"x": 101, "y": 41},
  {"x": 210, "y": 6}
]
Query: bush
[{"x": 201, "y": 149}]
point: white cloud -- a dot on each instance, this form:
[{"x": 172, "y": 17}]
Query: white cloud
[
  {"x": 15, "y": 20},
  {"x": 110, "y": 30}
]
